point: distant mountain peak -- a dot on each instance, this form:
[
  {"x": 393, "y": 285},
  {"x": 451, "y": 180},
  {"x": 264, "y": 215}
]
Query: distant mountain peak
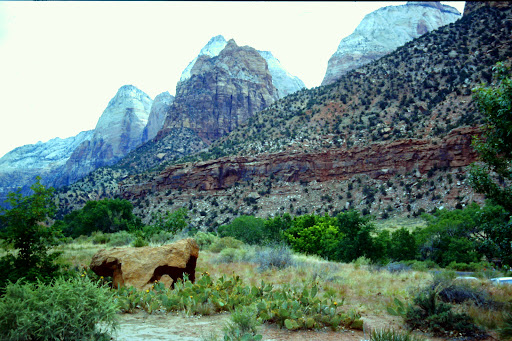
[
  {"x": 383, "y": 31},
  {"x": 285, "y": 82}
]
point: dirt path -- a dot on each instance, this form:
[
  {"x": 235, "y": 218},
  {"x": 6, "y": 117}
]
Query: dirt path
[{"x": 141, "y": 326}]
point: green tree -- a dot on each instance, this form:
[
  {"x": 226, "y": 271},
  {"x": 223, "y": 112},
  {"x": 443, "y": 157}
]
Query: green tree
[
  {"x": 492, "y": 176},
  {"x": 172, "y": 222},
  {"x": 245, "y": 228},
  {"x": 357, "y": 240},
  {"x": 274, "y": 228},
  {"x": 317, "y": 235},
  {"x": 27, "y": 230},
  {"x": 107, "y": 215}
]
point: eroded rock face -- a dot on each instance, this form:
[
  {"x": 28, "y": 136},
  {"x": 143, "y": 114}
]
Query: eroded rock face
[
  {"x": 118, "y": 131},
  {"x": 143, "y": 266},
  {"x": 221, "y": 93},
  {"x": 383, "y": 31},
  {"x": 285, "y": 82},
  {"x": 379, "y": 161},
  {"x": 157, "y": 115}
]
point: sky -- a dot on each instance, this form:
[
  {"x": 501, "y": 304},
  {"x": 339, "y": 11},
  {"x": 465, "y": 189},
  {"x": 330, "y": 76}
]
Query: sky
[{"x": 61, "y": 62}]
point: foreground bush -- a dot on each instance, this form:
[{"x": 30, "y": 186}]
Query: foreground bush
[
  {"x": 429, "y": 313},
  {"x": 63, "y": 310}
]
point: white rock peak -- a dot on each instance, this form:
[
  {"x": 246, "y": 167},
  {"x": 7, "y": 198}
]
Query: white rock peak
[{"x": 384, "y": 30}]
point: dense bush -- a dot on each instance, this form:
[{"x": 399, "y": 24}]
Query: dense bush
[
  {"x": 428, "y": 312},
  {"x": 248, "y": 229},
  {"x": 63, "y": 310},
  {"x": 26, "y": 230},
  {"x": 461, "y": 235},
  {"x": 107, "y": 215}
]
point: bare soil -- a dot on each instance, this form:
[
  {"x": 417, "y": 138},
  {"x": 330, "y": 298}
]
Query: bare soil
[{"x": 142, "y": 326}]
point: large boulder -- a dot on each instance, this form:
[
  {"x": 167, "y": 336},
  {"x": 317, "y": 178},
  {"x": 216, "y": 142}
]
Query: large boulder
[{"x": 143, "y": 266}]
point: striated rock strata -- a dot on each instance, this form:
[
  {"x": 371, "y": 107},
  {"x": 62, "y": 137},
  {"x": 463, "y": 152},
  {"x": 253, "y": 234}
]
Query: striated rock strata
[
  {"x": 384, "y": 30},
  {"x": 379, "y": 161},
  {"x": 282, "y": 79},
  {"x": 142, "y": 267},
  {"x": 222, "y": 93}
]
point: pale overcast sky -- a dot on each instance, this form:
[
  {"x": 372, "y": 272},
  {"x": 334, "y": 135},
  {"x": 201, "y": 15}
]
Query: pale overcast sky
[{"x": 61, "y": 62}]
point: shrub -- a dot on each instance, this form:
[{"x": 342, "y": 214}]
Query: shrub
[
  {"x": 205, "y": 240},
  {"x": 100, "y": 238},
  {"x": 392, "y": 335},
  {"x": 230, "y": 255},
  {"x": 242, "y": 326},
  {"x": 277, "y": 256},
  {"x": 121, "y": 238},
  {"x": 428, "y": 313},
  {"x": 225, "y": 242},
  {"x": 63, "y": 310}
]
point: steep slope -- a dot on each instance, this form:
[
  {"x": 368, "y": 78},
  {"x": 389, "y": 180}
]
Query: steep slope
[
  {"x": 157, "y": 115},
  {"x": 19, "y": 167},
  {"x": 222, "y": 92},
  {"x": 285, "y": 82},
  {"x": 391, "y": 138},
  {"x": 118, "y": 131},
  {"x": 384, "y": 30},
  {"x": 282, "y": 79}
]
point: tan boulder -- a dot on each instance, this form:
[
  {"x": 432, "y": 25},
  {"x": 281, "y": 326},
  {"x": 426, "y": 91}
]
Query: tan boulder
[{"x": 143, "y": 266}]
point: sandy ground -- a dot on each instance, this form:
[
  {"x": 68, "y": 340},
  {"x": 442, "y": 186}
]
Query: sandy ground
[{"x": 142, "y": 326}]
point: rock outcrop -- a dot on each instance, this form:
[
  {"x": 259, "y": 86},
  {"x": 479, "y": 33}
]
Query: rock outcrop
[
  {"x": 378, "y": 160},
  {"x": 221, "y": 93},
  {"x": 285, "y": 82},
  {"x": 142, "y": 267},
  {"x": 118, "y": 131},
  {"x": 157, "y": 115},
  {"x": 383, "y": 31}
]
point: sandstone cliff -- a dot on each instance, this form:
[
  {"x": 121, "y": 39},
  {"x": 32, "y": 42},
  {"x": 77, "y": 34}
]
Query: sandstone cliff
[
  {"x": 378, "y": 161},
  {"x": 157, "y": 115},
  {"x": 285, "y": 82},
  {"x": 384, "y": 30},
  {"x": 222, "y": 92},
  {"x": 118, "y": 131}
]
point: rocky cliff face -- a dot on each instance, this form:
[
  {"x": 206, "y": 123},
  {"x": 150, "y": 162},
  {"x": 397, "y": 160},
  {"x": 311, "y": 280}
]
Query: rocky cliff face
[
  {"x": 19, "y": 167},
  {"x": 222, "y": 93},
  {"x": 157, "y": 115},
  {"x": 384, "y": 30},
  {"x": 378, "y": 161},
  {"x": 118, "y": 131},
  {"x": 285, "y": 82}
]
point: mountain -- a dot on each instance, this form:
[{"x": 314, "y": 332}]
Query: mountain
[
  {"x": 384, "y": 30},
  {"x": 157, "y": 115},
  {"x": 220, "y": 93},
  {"x": 282, "y": 79},
  {"x": 390, "y": 138},
  {"x": 119, "y": 130},
  {"x": 20, "y": 166}
]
